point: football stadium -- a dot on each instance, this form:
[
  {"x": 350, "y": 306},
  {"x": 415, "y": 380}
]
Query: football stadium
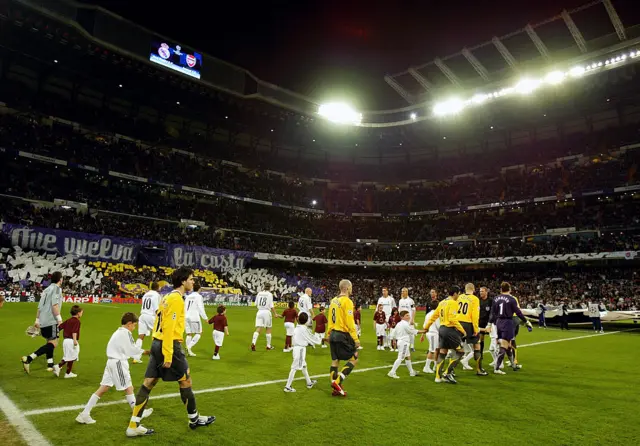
[{"x": 229, "y": 261}]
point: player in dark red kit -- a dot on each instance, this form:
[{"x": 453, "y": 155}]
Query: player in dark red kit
[
  {"x": 357, "y": 318},
  {"x": 393, "y": 321},
  {"x": 321, "y": 325},
  {"x": 290, "y": 315},
  {"x": 220, "y": 329},
  {"x": 70, "y": 346},
  {"x": 502, "y": 311},
  {"x": 380, "y": 320}
]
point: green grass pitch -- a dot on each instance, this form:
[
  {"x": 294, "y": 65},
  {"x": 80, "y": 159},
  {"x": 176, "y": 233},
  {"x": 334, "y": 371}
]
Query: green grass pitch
[{"x": 574, "y": 391}]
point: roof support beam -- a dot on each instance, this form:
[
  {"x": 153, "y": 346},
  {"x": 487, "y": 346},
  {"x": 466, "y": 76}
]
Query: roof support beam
[
  {"x": 615, "y": 19},
  {"x": 506, "y": 54},
  {"x": 475, "y": 63},
  {"x": 575, "y": 32},
  {"x": 447, "y": 71},
  {"x": 421, "y": 79},
  {"x": 540, "y": 46},
  {"x": 401, "y": 91}
]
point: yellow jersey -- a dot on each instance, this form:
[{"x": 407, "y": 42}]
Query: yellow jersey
[
  {"x": 341, "y": 316},
  {"x": 447, "y": 311},
  {"x": 469, "y": 310},
  {"x": 169, "y": 323}
]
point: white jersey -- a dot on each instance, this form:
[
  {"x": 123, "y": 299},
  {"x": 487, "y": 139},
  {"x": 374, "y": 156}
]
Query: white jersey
[
  {"x": 387, "y": 304},
  {"x": 194, "y": 307},
  {"x": 594, "y": 310},
  {"x": 435, "y": 326},
  {"x": 305, "y": 304},
  {"x": 264, "y": 301},
  {"x": 408, "y": 305},
  {"x": 150, "y": 303},
  {"x": 302, "y": 337},
  {"x": 121, "y": 345},
  {"x": 404, "y": 331}
]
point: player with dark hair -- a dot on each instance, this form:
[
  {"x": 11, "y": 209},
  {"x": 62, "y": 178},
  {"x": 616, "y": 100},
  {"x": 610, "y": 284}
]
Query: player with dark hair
[
  {"x": 70, "y": 346},
  {"x": 220, "y": 329},
  {"x": 47, "y": 320},
  {"x": 166, "y": 359},
  {"x": 302, "y": 337},
  {"x": 502, "y": 312},
  {"x": 343, "y": 337},
  {"x": 290, "y": 315},
  {"x": 116, "y": 372},
  {"x": 194, "y": 311},
  {"x": 485, "y": 312},
  {"x": 450, "y": 335}
]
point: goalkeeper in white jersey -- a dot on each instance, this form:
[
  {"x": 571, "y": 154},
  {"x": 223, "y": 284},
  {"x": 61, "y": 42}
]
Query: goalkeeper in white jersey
[{"x": 194, "y": 311}]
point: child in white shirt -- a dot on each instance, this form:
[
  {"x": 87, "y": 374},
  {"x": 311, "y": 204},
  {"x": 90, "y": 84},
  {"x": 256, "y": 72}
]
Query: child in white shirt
[{"x": 302, "y": 337}]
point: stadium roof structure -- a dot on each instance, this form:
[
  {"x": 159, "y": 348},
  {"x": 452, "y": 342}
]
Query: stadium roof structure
[{"x": 572, "y": 44}]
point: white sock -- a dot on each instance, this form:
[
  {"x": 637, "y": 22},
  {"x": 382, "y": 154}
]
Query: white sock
[
  {"x": 195, "y": 340},
  {"x": 189, "y": 340},
  {"x": 269, "y": 340},
  {"x": 467, "y": 357},
  {"x": 292, "y": 374},
  {"x": 428, "y": 364},
  {"x": 255, "y": 337},
  {"x": 91, "y": 404},
  {"x": 305, "y": 373},
  {"x": 409, "y": 366},
  {"x": 131, "y": 399},
  {"x": 396, "y": 364},
  {"x": 33, "y": 356}
]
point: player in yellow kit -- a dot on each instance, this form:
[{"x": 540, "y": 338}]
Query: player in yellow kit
[
  {"x": 166, "y": 358},
  {"x": 469, "y": 317},
  {"x": 343, "y": 337},
  {"x": 450, "y": 335}
]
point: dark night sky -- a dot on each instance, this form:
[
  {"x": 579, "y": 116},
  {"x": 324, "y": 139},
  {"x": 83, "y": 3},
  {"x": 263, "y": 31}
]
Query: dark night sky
[{"x": 331, "y": 47}]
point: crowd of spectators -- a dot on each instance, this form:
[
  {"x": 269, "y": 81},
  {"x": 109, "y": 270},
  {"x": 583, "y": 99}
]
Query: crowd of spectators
[{"x": 598, "y": 169}]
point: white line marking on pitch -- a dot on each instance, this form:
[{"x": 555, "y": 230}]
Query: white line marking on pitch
[
  {"x": 279, "y": 381},
  {"x": 19, "y": 420}
]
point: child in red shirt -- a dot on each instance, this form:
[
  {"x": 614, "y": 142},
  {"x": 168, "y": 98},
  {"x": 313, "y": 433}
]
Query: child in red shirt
[
  {"x": 70, "y": 346},
  {"x": 321, "y": 326},
  {"x": 220, "y": 329}
]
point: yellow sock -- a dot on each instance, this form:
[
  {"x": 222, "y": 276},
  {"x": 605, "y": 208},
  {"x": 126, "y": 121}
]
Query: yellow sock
[{"x": 135, "y": 416}]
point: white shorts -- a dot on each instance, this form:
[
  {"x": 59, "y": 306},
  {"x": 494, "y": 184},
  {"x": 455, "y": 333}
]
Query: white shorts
[
  {"x": 263, "y": 319},
  {"x": 404, "y": 349},
  {"x": 218, "y": 337},
  {"x": 289, "y": 327},
  {"x": 299, "y": 358},
  {"x": 319, "y": 336},
  {"x": 392, "y": 334},
  {"x": 145, "y": 324},
  {"x": 433, "y": 342},
  {"x": 380, "y": 329},
  {"x": 69, "y": 351},
  {"x": 192, "y": 327},
  {"x": 116, "y": 373},
  {"x": 358, "y": 331}
]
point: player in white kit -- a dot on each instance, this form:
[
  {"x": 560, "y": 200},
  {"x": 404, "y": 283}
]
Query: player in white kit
[
  {"x": 306, "y": 306},
  {"x": 404, "y": 333},
  {"x": 388, "y": 303},
  {"x": 407, "y": 304},
  {"x": 432, "y": 337},
  {"x": 264, "y": 317},
  {"x": 150, "y": 304},
  {"x": 116, "y": 373},
  {"x": 302, "y": 337},
  {"x": 193, "y": 312}
]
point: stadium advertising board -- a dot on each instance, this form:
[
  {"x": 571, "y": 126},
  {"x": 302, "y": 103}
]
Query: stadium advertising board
[
  {"x": 177, "y": 58},
  {"x": 231, "y": 300}
]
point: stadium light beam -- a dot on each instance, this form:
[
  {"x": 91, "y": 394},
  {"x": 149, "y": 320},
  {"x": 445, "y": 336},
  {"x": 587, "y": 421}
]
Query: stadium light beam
[
  {"x": 340, "y": 113},
  {"x": 527, "y": 86},
  {"x": 450, "y": 107},
  {"x": 554, "y": 78},
  {"x": 414, "y": 116}
]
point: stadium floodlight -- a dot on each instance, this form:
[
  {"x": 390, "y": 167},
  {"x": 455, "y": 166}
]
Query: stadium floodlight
[
  {"x": 577, "y": 71},
  {"x": 313, "y": 202},
  {"x": 340, "y": 113},
  {"x": 554, "y": 78},
  {"x": 414, "y": 116},
  {"x": 527, "y": 86},
  {"x": 479, "y": 98},
  {"x": 450, "y": 107}
]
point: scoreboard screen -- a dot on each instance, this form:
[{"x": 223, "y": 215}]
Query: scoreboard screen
[{"x": 176, "y": 58}]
